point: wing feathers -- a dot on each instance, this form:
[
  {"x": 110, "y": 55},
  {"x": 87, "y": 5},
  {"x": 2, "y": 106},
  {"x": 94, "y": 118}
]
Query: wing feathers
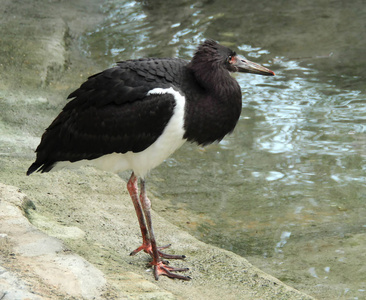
[
  {"x": 111, "y": 112},
  {"x": 93, "y": 132}
]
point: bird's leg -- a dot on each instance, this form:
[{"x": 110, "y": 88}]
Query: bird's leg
[
  {"x": 133, "y": 190},
  {"x": 160, "y": 267},
  {"x": 146, "y": 244}
]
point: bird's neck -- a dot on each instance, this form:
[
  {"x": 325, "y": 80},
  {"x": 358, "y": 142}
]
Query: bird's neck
[
  {"x": 214, "y": 78},
  {"x": 215, "y": 110}
]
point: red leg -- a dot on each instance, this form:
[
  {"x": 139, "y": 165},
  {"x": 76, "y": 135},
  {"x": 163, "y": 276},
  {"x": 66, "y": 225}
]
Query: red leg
[
  {"x": 133, "y": 190},
  {"x": 146, "y": 245},
  {"x": 160, "y": 267}
]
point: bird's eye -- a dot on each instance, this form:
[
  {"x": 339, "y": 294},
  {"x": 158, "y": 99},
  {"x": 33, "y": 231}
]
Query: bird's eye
[{"x": 229, "y": 59}]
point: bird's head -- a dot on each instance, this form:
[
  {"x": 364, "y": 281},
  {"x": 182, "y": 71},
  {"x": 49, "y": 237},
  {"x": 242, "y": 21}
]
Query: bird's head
[{"x": 221, "y": 56}]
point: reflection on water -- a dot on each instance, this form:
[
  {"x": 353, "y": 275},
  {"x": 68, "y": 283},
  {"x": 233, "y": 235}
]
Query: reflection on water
[{"x": 287, "y": 188}]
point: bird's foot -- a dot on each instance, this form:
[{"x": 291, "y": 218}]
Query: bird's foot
[
  {"x": 146, "y": 247},
  {"x": 161, "y": 268}
]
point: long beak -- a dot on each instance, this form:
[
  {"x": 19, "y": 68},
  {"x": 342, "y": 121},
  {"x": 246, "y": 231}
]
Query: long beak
[{"x": 247, "y": 66}]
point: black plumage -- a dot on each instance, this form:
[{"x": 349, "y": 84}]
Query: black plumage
[
  {"x": 111, "y": 112},
  {"x": 140, "y": 107}
]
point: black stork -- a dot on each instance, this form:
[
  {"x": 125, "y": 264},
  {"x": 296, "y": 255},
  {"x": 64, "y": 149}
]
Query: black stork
[{"x": 136, "y": 114}]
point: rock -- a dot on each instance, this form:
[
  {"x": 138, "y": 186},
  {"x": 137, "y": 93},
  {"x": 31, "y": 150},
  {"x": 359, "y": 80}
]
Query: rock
[
  {"x": 44, "y": 267},
  {"x": 36, "y": 265}
]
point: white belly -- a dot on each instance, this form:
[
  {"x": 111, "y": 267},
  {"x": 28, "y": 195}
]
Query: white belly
[{"x": 142, "y": 162}]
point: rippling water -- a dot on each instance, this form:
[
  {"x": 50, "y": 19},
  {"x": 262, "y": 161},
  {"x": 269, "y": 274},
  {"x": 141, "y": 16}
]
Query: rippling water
[{"x": 287, "y": 188}]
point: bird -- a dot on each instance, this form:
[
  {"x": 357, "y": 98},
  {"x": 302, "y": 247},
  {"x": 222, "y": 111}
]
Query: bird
[{"x": 135, "y": 114}]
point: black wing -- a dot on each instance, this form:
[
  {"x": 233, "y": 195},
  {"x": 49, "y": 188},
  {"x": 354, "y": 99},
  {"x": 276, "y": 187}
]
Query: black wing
[{"x": 110, "y": 112}]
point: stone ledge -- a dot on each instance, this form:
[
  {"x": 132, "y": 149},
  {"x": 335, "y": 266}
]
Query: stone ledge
[{"x": 47, "y": 267}]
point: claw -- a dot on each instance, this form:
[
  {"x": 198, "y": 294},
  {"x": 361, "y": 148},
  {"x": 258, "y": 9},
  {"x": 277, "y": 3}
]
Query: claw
[
  {"x": 146, "y": 247},
  {"x": 137, "y": 250},
  {"x": 161, "y": 269},
  {"x": 170, "y": 256}
]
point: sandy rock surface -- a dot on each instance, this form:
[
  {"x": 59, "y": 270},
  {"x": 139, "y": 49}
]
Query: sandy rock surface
[
  {"x": 42, "y": 263},
  {"x": 36, "y": 264}
]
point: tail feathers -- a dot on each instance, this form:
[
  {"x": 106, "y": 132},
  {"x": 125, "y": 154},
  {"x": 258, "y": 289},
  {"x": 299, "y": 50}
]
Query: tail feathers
[
  {"x": 40, "y": 167},
  {"x": 34, "y": 167}
]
